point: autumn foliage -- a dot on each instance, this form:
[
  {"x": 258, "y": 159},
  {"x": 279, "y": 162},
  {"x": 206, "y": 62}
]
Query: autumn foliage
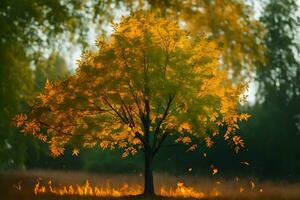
[{"x": 148, "y": 81}]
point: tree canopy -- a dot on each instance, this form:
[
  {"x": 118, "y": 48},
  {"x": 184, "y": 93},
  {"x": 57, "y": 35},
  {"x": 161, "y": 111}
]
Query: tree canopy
[{"x": 147, "y": 81}]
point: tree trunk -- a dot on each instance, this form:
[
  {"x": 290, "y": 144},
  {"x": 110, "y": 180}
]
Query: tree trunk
[{"x": 148, "y": 175}]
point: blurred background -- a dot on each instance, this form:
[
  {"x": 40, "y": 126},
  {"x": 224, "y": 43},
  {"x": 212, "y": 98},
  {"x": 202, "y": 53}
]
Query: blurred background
[{"x": 41, "y": 40}]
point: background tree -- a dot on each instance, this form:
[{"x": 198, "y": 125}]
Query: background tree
[
  {"x": 275, "y": 129},
  {"x": 17, "y": 150},
  {"x": 29, "y": 31},
  {"x": 22, "y": 23},
  {"x": 51, "y": 69},
  {"x": 279, "y": 77},
  {"x": 147, "y": 82},
  {"x": 231, "y": 23}
]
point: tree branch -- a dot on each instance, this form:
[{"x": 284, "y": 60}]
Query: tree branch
[
  {"x": 128, "y": 111},
  {"x": 163, "y": 137},
  {"x": 136, "y": 100},
  {"x": 141, "y": 138},
  {"x": 119, "y": 114},
  {"x": 166, "y": 112}
]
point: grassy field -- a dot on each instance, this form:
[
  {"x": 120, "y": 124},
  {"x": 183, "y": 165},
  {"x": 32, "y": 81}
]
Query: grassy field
[{"x": 19, "y": 185}]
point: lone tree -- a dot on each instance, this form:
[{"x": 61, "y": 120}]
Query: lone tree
[{"x": 148, "y": 81}]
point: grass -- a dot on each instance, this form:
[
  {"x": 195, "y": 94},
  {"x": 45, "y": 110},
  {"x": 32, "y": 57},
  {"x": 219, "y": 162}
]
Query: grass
[{"x": 19, "y": 185}]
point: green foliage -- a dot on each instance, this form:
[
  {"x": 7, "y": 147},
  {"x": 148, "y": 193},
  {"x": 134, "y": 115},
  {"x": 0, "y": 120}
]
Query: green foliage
[
  {"x": 272, "y": 140},
  {"x": 24, "y": 25},
  {"x": 15, "y": 84},
  {"x": 51, "y": 69},
  {"x": 16, "y": 150}
]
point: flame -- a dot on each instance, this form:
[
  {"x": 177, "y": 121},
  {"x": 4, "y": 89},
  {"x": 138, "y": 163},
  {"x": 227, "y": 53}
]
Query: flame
[
  {"x": 88, "y": 190},
  {"x": 181, "y": 191}
]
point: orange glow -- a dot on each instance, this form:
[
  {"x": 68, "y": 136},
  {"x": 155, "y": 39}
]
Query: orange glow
[
  {"x": 88, "y": 190},
  {"x": 181, "y": 191}
]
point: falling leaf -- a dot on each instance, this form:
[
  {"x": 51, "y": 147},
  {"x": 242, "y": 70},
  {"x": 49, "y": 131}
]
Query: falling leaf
[
  {"x": 192, "y": 148},
  {"x": 75, "y": 152},
  {"x": 215, "y": 170},
  {"x": 245, "y": 163}
]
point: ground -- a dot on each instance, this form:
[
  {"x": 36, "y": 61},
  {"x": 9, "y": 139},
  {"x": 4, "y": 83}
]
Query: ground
[{"x": 20, "y": 185}]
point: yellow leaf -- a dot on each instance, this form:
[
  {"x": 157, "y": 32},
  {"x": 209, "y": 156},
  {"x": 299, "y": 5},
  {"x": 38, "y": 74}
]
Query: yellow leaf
[
  {"x": 185, "y": 126},
  {"x": 186, "y": 140},
  {"x": 192, "y": 148},
  {"x": 75, "y": 152},
  {"x": 215, "y": 170},
  {"x": 209, "y": 142}
]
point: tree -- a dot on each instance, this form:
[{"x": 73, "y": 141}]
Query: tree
[
  {"x": 29, "y": 29},
  {"x": 279, "y": 78},
  {"x": 22, "y": 25},
  {"x": 278, "y": 106},
  {"x": 148, "y": 81}
]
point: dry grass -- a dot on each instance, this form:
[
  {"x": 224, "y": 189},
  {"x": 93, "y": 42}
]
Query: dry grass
[{"x": 228, "y": 189}]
